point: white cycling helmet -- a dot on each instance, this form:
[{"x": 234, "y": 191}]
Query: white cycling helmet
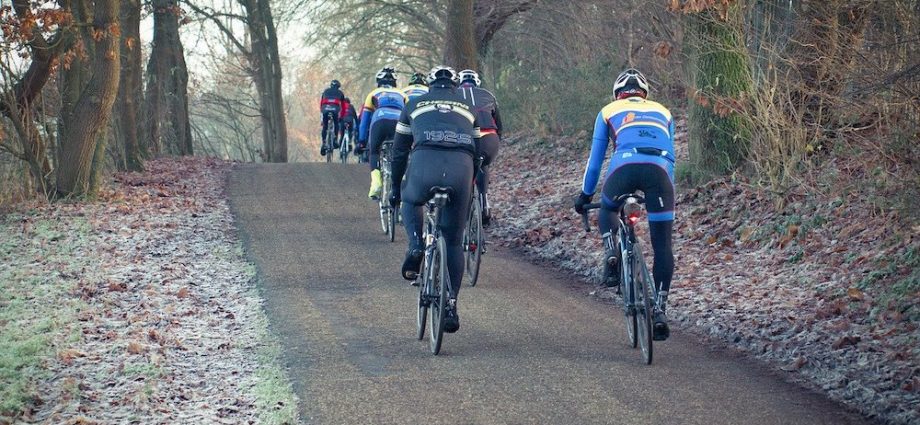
[
  {"x": 442, "y": 71},
  {"x": 471, "y": 76},
  {"x": 630, "y": 81},
  {"x": 386, "y": 75}
]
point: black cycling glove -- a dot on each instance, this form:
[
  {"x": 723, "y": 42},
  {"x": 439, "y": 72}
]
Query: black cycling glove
[{"x": 582, "y": 200}]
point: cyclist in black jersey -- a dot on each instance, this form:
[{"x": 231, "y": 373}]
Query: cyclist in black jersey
[
  {"x": 486, "y": 109},
  {"x": 439, "y": 131}
]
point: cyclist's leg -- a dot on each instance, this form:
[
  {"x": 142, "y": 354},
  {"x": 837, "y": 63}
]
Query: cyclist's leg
[
  {"x": 620, "y": 180},
  {"x": 377, "y": 132},
  {"x": 455, "y": 170},
  {"x": 338, "y": 130},
  {"x": 659, "y": 201},
  {"x": 322, "y": 134},
  {"x": 414, "y": 191},
  {"x": 488, "y": 148}
]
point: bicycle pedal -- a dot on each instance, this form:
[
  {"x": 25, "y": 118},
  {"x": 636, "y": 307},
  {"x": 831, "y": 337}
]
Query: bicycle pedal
[{"x": 414, "y": 283}]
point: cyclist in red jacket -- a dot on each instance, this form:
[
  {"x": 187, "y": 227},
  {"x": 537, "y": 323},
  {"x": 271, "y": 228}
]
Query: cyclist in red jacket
[{"x": 331, "y": 102}]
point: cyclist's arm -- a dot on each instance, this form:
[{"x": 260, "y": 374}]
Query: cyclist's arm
[
  {"x": 366, "y": 118},
  {"x": 498, "y": 120},
  {"x": 402, "y": 145},
  {"x": 598, "y": 151}
]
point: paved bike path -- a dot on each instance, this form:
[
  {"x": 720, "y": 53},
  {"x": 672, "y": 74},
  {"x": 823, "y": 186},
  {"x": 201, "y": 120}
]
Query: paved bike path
[{"x": 530, "y": 348}]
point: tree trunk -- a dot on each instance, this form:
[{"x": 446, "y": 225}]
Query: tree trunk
[
  {"x": 460, "y": 49},
  {"x": 130, "y": 90},
  {"x": 167, "y": 128},
  {"x": 88, "y": 93},
  {"x": 718, "y": 70},
  {"x": 266, "y": 71},
  {"x": 827, "y": 47}
]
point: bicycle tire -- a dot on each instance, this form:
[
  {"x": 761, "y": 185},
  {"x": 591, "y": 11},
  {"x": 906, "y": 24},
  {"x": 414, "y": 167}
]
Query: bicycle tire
[
  {"x": 423, "y": 298},
  {"x": 642, "y": 283},
  {"x": 344, "y": 149},
  {"x": 628, "y": 294},
  {"x": 474, "y": 240},
  {"x": 330, "y": 140},
  {"x": 439, "y": 285},
  {"x": 392, "y": 226}
]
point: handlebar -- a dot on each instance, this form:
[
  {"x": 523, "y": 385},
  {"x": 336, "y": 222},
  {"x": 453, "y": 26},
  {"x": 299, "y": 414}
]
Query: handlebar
[{"x": 584, "y": 217}]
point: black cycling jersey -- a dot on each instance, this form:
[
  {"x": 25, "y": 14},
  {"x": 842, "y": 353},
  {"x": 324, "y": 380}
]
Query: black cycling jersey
[
  {"x": 440, "y": 119},
  {"x": 484, "y": 106}
]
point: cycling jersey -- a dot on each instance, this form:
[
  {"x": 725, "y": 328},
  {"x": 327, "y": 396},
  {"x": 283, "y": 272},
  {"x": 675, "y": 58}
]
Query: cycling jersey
[
  {"x": 348, "y": 113},
  {"x": 485, "y": 107},
  {"x": 414, "y": 90},
  {"x": 441, "y": 119},
  {"x": 382, "y": 103},
  {"x": 643, "y": 132},
  {"x": 332, "y": 100}
]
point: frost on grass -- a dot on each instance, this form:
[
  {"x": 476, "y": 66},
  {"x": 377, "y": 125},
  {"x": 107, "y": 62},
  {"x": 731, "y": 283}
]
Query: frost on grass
[
  {"x": 824, "y": 289},
  {"x": 168, "y": 327}
]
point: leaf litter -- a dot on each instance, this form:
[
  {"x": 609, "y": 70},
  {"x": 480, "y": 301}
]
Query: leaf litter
[
  {"x": 172, "y": 329},
  {"x": 793, "y": 288}
]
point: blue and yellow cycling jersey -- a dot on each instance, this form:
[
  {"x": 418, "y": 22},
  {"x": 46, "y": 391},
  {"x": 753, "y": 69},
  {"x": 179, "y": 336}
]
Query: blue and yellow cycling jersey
[
  {"x": 382, "y": 103},
  {"x": 634, "y": 124},
  {"x": 414, "y": 90}
]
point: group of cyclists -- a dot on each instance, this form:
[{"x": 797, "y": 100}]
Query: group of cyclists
[{"x": 446, "y": 129}]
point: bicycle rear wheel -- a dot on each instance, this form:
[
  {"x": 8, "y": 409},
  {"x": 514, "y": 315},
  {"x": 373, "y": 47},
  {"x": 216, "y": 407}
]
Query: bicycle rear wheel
[
  {"x": 439, "y": 284},
  {"x": 344, "y": 149},
  {"x": 642, "y": 282},
  {"x": 330, "y": 140},
  {"x": 473, "y": 240},
  {"x": 392, "y": 226}
]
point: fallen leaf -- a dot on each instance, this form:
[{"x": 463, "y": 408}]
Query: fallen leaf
[
  {"x": 135, "y": 347},
  {"x": 845, "y": 341},
  {"x": 855, "y": 294},
  {"x": 183, "y": 293}
]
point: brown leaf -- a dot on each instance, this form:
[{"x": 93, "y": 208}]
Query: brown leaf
[
  {"x": 117, "y": 286},
  {"x": 69, "y": 354},
  {"x": 135, "y": 347},
  {"x": 855, "y": 294},
  {"x": 796, "y": 364},
  {"x": 183, "y": 293},
  {"x": 845, "y": 341}
]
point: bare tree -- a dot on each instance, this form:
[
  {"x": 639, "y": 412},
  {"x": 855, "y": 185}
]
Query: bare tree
[
  {"x": 88, "y": 90},
  {"x": 167, "y": 128},
  {"x": 130, "y": 91}
]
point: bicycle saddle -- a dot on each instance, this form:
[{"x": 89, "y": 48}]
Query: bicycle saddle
[{"x": 441, "y": 189}]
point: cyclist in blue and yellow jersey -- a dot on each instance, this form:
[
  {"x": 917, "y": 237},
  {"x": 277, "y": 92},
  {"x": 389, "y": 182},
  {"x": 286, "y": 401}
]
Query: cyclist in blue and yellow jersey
[
  {"x": 643, "y": 159},
  {"x": 378, "y": 122},
  {"x": 486, "y": 109},
  {"x": 418, "y": 85}
]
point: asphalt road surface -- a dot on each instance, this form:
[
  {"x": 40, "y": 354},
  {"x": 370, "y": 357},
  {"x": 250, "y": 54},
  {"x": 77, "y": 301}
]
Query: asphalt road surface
[{"x": 531, "y": 347}]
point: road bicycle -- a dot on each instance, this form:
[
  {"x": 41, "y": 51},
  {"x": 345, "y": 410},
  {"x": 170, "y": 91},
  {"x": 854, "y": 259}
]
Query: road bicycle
[
  {"x": 434, "y": 280},
  {"x": 346, "y": 147},
  {"x": 329, "y": 137},
  {"x": 636, "y": 285},
  {"x": 388, "y": 214},
  {"x": 474, "y": 237}
]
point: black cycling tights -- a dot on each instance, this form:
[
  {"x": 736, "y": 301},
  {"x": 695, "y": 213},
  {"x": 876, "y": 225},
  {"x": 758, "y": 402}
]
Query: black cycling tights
[{"x": 654, "y": 182}]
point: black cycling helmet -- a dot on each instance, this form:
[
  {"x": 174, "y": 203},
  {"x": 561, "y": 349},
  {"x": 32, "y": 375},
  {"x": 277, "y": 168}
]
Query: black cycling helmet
[
  {"x": 386, "y": 77},
  {"x": 335, "y": 84},
  {"x": 418, "y": 78},
  {"x": 442, "y": 72},
  {"x": 630, "y": 83}
]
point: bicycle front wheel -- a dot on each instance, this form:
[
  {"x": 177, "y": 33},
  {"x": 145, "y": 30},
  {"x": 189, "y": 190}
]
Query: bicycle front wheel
[
  {"x": 642, "y": 282},
  {"x": 473, "y": 240},
  {"x": 423, "y": 299},
  {"x": 439, "y": 287}
]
